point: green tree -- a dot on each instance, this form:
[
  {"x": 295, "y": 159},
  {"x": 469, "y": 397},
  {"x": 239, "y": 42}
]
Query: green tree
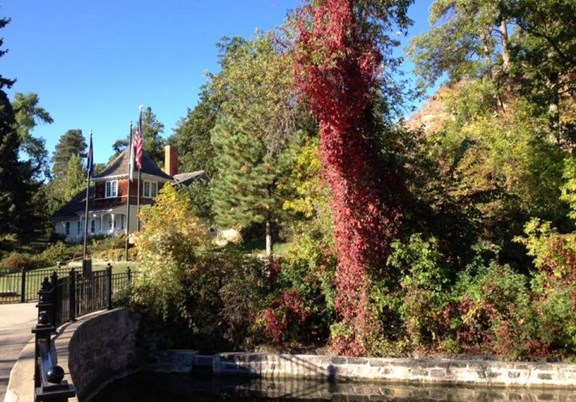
[
  {"x": 192, "y": 136},
  {"x": 69, "y": 173},
  {"x": 467, "y": 40},
  {"x": 28, "y": 115},
  {"x": 16, "y": 188},
  {"x": 251, "y": 136},
  {"x": 70, "y": 143},
  {"x": 151, "y": 137}
]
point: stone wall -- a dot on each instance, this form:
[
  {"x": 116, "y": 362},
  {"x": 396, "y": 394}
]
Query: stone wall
[
  {"x": 102, "y": 350},
  {"x": 421, "y": 371}
]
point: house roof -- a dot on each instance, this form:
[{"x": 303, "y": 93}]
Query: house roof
[
  {"x": 189, "y": 178},
  {"x": 75, "y": 205},
  {"x": 120, "y": 167}
]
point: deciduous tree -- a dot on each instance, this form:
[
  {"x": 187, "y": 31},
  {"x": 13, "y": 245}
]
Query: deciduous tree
[{"x": 339, "y": 51}]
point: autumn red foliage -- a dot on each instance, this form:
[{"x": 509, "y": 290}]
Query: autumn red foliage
[{"x": 337, "y": 68}]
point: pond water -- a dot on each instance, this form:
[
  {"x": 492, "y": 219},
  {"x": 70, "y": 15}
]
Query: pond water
[{"x": 183, "y": 388}]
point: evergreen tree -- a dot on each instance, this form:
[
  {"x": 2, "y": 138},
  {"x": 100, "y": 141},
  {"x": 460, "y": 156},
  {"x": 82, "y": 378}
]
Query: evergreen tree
[
  {"x": 71, "y": 143},
  {"x": 152, "y": 130},
  {"x": 251, "y": 136},
  {"x": 192, "y": 136}
]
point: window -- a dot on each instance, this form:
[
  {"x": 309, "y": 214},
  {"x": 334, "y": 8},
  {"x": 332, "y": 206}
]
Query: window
[
  {"x": 150, "y": 189},
  {"x": 112, "y": 188},
  {"x": 92, "y": 226},
  {"x": 67, "y": 228},
  {"x": 79, "y": 227}
]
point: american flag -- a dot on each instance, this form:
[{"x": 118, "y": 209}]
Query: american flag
[{"x": 138, "y": 147}]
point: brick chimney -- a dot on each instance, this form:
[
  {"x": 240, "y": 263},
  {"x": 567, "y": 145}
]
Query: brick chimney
[{"x": 170, "y": 160}]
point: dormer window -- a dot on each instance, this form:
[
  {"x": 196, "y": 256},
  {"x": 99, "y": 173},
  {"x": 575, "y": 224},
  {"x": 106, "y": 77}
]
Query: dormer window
[
  {"x": 112, "y": 188},
  {"x": 150, "y": 189}
]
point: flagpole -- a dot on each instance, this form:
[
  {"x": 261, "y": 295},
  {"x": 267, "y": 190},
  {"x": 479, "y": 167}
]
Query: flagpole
[
  {"x": 89, "y": 168},
  {"x": 139, "y": 172},
  {"x": 130, "y": 167}
]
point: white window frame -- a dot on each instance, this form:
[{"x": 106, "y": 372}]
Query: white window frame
[
  {"x": 150, "y": 189},
  {"x": 111, "y": 189}
]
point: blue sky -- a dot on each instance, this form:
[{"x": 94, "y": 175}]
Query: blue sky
[{"x": 92, "y": 63}]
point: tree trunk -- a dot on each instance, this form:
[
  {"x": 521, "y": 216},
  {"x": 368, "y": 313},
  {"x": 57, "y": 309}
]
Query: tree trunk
[
  {"x": 504, "y": 42},
  {"x": 269, "y": 245}
]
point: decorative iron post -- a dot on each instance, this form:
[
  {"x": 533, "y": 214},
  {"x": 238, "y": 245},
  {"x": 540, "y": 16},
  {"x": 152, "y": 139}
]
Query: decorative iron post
[
  {"x": 49, "y": 383},
  {"x": 55, "y": 299},
  {"x": 23, "y": 286},
  {"x": 72, "y": 295},
  {"x": 109, "y": 285}
]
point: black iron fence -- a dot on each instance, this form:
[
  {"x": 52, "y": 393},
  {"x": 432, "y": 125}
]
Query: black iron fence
[
  {"x": 77, "y": 294},
  {"x": 62, "y": 299},
  {"x": 22, "y": 287}
]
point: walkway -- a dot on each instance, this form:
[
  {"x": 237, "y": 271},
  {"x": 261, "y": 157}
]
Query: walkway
[{"x": 16, "y": 322}]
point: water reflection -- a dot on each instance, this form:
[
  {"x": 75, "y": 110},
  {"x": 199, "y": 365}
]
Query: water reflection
[{"x": 168, "y": 388}]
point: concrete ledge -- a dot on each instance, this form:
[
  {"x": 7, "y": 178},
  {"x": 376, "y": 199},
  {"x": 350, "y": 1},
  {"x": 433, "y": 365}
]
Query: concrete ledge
[{"x": 418, "y": 371}]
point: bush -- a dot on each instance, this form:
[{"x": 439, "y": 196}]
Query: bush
[
  {"x": 553, "y": 288},
  {"x": 491, "y": 312},
  {"x": 15, "y": 262},
  {"x": 423, "y": 293},
  {"x": 60, "y": 252}
]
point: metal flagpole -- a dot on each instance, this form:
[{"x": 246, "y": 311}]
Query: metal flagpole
[
  {"x": 130, "y": 173},
  {"x": 90, "y": 169}
]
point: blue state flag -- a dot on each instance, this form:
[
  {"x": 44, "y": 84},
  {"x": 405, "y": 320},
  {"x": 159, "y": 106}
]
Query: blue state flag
[{"x": 90, "y": 159}]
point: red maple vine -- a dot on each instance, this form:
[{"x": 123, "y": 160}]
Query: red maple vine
[{"x": 336, "y": 69}]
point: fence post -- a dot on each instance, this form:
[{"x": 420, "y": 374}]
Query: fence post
[
  {"x": 129, "y": 275},
  {"x": 72, "y": 294},
  {"x": 55, "y": 299},
  {"x": 44, "y": 325},
  {"x": 109, "y": 285},
  {"x": 49, "y": 383},
  {"x": 23, "y": 286}
]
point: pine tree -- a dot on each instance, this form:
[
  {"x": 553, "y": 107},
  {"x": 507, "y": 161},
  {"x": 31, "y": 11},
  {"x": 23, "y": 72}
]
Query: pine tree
[
  {"x": 192, "y": 136},
  {"x": 71, "y": 143},
  {"x": 251, "y": 137}
]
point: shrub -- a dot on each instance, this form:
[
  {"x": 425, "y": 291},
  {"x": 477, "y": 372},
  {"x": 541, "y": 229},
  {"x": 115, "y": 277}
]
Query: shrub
[
  {"x": 553, "y": 287},
  {"x": 15, "y": 262},
  {"x": 60, "y": 252},
  {"x": 423, "y": 293},
  {"x": 491, "y": 312}
]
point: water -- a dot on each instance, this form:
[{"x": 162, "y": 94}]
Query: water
[{"x": 183, "y": 388}]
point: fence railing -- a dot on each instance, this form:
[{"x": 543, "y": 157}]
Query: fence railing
[
  {"x": 22, "y": 287},
  {"x": 76, "y": 294},
  {"x": 62, "y": 299}
]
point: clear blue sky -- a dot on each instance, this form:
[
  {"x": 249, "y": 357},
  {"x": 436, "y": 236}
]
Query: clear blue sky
[{"x": 92, "y": 63}]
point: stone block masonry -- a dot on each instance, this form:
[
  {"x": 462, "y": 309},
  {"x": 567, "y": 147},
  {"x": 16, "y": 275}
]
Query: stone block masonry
[
  {"x": 418, "y": 371},
  {"x": 102, "y": 350}
]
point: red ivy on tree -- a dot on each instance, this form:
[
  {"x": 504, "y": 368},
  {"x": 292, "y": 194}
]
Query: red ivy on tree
[{"x": 337, "y": 70}]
